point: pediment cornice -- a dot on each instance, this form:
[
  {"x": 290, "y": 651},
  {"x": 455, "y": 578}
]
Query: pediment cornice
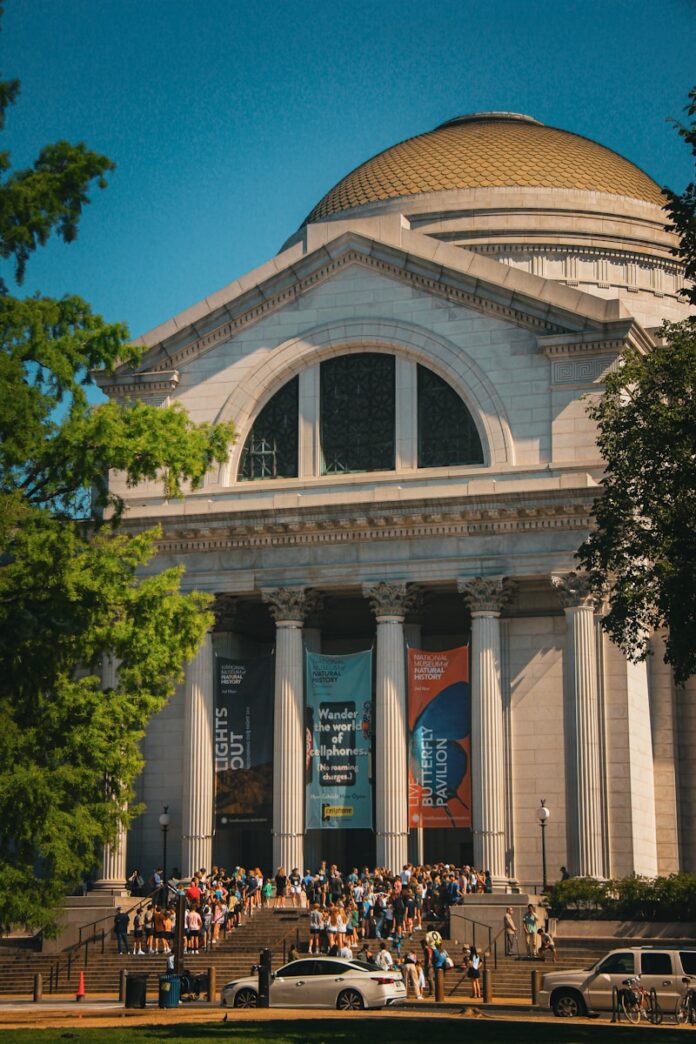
[{"x": 459, "y": 276}]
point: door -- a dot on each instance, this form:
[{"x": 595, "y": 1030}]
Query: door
[
  {"x": 657, "y": 972},
  {"x": 330, "y": 980},
  {"x": 292, "y": 985},
  {"x": 608, "y": 973}
]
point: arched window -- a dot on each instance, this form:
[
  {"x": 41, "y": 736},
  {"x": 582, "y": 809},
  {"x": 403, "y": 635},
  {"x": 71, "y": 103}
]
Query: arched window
[
  {"x": 357, "y": 414},
  {"x": 270, "y": 450},
  {"x": 447, "y": 435},
  {"x": 352, "y": 426}
]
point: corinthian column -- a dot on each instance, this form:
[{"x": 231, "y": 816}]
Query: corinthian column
[
  {"x": 289, "y": 607},
  {"x": 113, "y": 868},
  {"x": 389, "y": 603},
  {"x": 197, "y": 824},
  {"x": 485, "y": 597},
  {"x": 582, "y": 700}
]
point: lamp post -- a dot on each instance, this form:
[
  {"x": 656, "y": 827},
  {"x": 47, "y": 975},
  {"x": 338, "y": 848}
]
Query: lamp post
[
  {"x": 542, "y": 815},
  {"x": 164, "y": 822}
]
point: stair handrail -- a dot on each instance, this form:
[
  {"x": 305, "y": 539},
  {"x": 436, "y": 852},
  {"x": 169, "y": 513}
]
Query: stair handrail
[
  {"x": 490, "y": 948},
  {"x": 110, "y": 916},
  {"x": 70, "y": 952}
]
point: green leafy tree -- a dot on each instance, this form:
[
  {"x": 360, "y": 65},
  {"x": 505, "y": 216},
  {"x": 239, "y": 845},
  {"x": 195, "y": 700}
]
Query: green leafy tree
[
  {"x": 72, "y": 590},
  {"x": 642, "y": 554}
]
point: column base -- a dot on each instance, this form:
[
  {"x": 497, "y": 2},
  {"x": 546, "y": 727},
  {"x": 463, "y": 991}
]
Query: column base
[
  {"x": 106, "y": 887},
  {"x": 505, "y": 884}
]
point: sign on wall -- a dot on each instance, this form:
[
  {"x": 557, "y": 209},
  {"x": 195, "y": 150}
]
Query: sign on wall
[
  {"x": 339, "y": 741},
  {"x": 243, "y": 741},
  {"x": 439, "y": 721}
]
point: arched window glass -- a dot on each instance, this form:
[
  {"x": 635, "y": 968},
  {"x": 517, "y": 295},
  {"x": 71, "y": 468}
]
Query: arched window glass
[
  {"x": 357, "y": 413},
  {"x": 270, "y": 450},
  {"x": 447, "y": 434}
]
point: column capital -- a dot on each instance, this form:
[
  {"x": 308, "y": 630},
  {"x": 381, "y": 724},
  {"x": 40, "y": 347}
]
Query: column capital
[
  {"x": 290, "y": 604},
  {"x": 574, "y": 590},
  {"x": 389, "y": 599},
  {"x": 484, "y": 594}
]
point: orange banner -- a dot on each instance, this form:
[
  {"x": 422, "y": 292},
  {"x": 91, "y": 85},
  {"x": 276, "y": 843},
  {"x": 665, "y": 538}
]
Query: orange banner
[{"x": 439, "y": 722}]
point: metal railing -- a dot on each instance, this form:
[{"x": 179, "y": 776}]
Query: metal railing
[{"x": 64, "y": 961}]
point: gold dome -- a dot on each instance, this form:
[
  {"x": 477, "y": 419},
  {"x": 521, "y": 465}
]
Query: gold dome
[{"x": 488, "y": 150}]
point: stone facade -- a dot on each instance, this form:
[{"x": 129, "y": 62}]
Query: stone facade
[{"x": 524, "y": 332}]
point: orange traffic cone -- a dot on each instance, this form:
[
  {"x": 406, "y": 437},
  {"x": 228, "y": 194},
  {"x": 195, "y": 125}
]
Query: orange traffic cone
[{"x": 80, "y": 987}]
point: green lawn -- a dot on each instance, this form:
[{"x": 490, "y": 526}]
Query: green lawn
[{"x": 457, "y": 1030}]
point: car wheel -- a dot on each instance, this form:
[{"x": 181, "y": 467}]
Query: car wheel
[
  {"x": 567, "y": 1005},
  {"x": 350, "y": 1000},
  {"x": 246, "y": 999}
]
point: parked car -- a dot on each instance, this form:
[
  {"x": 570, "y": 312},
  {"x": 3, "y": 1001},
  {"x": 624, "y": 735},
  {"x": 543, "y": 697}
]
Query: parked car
[
  {"x": 321, "y": 982},
  {"x": 571, "y": 993}
]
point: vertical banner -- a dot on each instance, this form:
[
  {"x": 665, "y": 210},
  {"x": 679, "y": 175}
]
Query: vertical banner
[
  {"x": 439, "y": 721},
  {"x": 339, "y": 741},
  {"x": 243, "y": 741}
]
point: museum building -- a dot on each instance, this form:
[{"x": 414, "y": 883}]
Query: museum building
[{"x": 409, "y": 380}]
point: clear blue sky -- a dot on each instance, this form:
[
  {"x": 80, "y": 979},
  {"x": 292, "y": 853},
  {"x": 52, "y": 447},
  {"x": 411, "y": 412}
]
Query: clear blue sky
[{"x": 228, "y": 121}]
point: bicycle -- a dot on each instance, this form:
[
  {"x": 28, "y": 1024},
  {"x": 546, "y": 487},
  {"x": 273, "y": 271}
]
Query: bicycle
[
  {"x": 637, "y": 1002},
  {"x": 685, "y": 1010}
]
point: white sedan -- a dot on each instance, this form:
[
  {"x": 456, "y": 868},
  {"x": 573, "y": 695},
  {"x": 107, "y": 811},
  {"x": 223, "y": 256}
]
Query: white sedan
[{"x": 321, "y": 982}]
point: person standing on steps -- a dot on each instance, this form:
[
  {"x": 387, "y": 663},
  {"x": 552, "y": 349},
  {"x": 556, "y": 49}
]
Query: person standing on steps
[
  {"x": 510, "y": 932},
  {"x": 138, "y": 934},
  {"x": 121, "y": 931},
  {"x": 531, "y": 926}
]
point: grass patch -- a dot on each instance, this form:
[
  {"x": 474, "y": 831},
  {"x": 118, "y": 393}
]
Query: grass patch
[{"x": 456, "y": 1030}]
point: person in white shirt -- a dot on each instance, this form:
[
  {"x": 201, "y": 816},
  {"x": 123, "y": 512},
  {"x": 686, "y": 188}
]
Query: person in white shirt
[
  {"x": 345, "y": 951},
  {"x": 384, "y": 959}
]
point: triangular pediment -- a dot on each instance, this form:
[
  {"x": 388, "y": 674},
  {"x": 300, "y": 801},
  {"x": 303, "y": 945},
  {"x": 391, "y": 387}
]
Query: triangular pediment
[{"x": 548, "y": 309}]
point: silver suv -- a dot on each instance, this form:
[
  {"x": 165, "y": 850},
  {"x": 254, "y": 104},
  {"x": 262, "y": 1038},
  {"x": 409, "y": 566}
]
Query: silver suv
[{"x": 571, "y": 993}]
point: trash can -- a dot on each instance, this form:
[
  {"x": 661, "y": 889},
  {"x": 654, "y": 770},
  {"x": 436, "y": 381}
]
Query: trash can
[
  {"x": 169, "y": 991},
  {"x": 136, "y": 991}
]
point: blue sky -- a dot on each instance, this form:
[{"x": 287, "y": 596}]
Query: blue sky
[{"x": 228, "y": 121}]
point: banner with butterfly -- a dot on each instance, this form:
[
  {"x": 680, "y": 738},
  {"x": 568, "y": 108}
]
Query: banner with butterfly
[{"x": 439, "y": 720}]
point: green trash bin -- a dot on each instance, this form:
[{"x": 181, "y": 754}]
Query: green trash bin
[{"x": 169, "y": 991}]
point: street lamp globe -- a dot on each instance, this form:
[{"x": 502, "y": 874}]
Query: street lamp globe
[
  {"x": 164, "y": 819},
  {"x": 542, "y": 813}
]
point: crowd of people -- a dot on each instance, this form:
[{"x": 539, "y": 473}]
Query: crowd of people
[{"x": 347, "y": 913}]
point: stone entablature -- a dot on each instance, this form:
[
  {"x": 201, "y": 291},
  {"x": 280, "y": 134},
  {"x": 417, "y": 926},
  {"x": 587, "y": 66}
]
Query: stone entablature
[{"x": 504, "y": 514}]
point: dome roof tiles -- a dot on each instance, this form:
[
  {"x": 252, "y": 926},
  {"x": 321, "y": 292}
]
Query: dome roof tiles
[{"x": 488, "y": 149}]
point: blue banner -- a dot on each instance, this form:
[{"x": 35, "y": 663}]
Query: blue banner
[{"x": 339, "y": 741}]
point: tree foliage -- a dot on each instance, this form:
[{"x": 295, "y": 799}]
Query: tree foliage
[
  {"x": 631, "y": 898},
  {"x": 73, "y": 588},
  {"x": 641, "y": 555}
]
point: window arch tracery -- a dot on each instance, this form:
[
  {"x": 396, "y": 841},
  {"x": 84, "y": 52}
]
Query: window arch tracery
[
  {"x": 354, "y": 415},
  {"x": 447, "y": 434},
  {"x": 270, "y": 450}
]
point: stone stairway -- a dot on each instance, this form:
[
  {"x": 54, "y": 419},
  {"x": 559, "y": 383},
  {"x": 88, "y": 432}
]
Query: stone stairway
[{"x": 234, "y": 955}]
